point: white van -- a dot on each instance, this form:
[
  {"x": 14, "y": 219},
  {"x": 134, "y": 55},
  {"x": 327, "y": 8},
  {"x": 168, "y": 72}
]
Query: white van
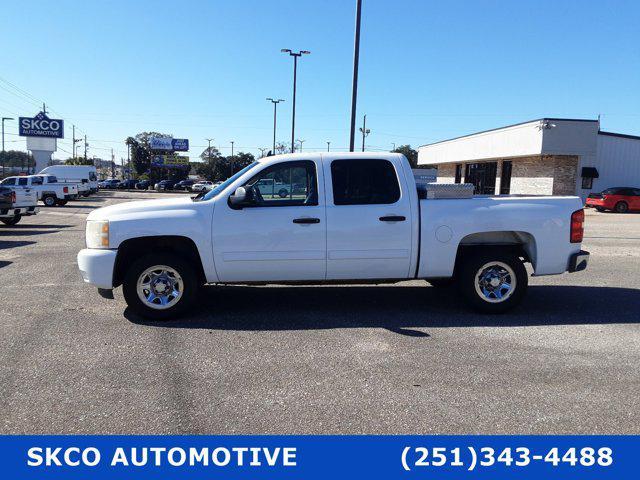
[{"x": 86, "y": 174}]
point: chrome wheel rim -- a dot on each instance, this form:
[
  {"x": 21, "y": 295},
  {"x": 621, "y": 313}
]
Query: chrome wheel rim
[
  {"x": 160, "y": 287},
  {"x": 495, "y": 282}
]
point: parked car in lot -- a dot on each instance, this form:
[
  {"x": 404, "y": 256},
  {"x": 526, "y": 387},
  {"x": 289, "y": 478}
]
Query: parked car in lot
[
  {"x": 109, "y": 184},
  {"x": 184, "y": 185},
  {"x": 47, "y": 188},
  {"x": 127, "y": 184},
  {"x": 85, "y": 175},
  {"x": 617, "y": 199},
  {"x": 165, "y": 185},
  {"x": 143, "y": 185},
  {"x": 361, "y": 217},
  {"x": 16, "y": 203},
  {"x": 202, "y": 185}
]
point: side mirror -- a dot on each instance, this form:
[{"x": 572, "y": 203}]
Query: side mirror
[{"x": 241, "y": 198}]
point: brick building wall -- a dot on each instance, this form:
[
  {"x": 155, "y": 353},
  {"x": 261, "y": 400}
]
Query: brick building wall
[{"x": 536, "y": 175}]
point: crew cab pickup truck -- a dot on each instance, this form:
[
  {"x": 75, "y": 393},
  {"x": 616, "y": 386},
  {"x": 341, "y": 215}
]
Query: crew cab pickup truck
[
  {"x": 16, "y": 203},
  {"x": 49, "y": 190},
  {"x": 354, "y": 218}
]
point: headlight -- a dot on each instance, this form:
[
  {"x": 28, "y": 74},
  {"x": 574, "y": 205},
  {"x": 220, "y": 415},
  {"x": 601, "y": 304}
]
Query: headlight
[{"x": 97, "y": 234}]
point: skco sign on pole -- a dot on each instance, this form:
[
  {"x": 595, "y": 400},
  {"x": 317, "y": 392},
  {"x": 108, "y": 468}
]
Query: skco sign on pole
[
  {"x": 41, "y": 126},
  {"x": 172, "y": 144}
]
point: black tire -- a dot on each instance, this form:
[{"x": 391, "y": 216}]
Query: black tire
[
  {"x": 49, "y": 200},
  {"x": 283, "y": 193},
  {"x": 600, "y": 209},
  {"x": 189, "y": 281},
  {"x": 621, "y": 207},
  {"x": 477, "y": 261},
  {"x": 11, "y": 221},
  {"x": 441, "y": 282}
]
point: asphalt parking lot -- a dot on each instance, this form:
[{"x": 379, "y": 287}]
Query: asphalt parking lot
[{"x": 364, "y": 359}]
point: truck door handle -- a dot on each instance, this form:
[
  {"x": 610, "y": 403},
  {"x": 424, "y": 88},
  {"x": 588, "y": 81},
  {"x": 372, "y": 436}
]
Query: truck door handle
[
  {"x": 306, "y": 220},
  {"x": 393, "y": 218}
]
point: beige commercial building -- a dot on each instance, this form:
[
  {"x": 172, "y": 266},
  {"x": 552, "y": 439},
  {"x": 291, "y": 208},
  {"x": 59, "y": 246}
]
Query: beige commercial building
[{"x": 549, "y": 156}]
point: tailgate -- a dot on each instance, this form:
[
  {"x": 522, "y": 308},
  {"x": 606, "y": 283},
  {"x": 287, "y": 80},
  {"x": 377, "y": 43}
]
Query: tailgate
[{"x": 25, "y": 197}]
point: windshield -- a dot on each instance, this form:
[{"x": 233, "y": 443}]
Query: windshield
[{"x": 215, "y": 191}]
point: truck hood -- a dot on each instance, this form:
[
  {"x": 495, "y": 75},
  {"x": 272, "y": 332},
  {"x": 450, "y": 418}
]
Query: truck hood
[{"x": 143, "y": 206}]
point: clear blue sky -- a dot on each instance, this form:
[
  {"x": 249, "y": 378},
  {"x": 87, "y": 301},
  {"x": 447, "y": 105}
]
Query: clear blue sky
[{"x": 430, "y": 70}]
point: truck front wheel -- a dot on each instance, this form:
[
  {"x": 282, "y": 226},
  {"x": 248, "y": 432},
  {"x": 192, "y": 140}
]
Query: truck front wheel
[
  {"x": 160, "y": 286},
  {"x": 493, "y": 281}
]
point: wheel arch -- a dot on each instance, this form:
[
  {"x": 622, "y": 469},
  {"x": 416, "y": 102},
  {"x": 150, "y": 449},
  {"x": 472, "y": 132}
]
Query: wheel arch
[
  {"x": 133, "y": 248},
  {"x": 522, "y": 244}
]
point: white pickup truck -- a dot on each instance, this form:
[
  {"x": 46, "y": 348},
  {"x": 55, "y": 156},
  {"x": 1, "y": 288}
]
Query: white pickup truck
[
  {"x": 353, "y": 218},
  {"x": 16, "y": 203},
  {"x": 49, "y": 190}
]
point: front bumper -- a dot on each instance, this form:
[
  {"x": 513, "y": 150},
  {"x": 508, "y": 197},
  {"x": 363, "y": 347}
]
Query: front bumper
[
  {"x": 96, "y": 266},
  {"x": 578, "y": 261}
]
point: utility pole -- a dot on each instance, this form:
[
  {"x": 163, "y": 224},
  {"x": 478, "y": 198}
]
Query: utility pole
[
  {"x": 365, "y": 131},
  {"x": 275, "y": 105},
  {"x": 3, "y": 120},
  {"x": 75, "y": 140},
  {"x": 232, "y": 142},
  {"x": 209, "y": 149},
  {"x": 354, "y": 90},
  {"x": 129, "y": 160},
  {"x": 295, "y": 56},
  {"x": 301, "y": 142},
  {"x": 394, "y": 146},
  {"x": 262, "y": 150},
  {"x": 85, "y": 149},
  {"x": 328, "y": 146},
  {"x": 113, "y": 165}
]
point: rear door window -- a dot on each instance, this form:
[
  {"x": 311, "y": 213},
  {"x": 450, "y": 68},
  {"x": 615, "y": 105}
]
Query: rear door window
[
  {"x": 22, "y": 181},
  {"x": 364, "y": 182}
]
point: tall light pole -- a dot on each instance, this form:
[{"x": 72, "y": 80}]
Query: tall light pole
[
  {"x": 3, "y": 120},
  {"x": 328, "y": 146},
  {"x": 365, "y": 131},
  {"x": 275, "y": 105},
  {"x": 295, "y": 56},
  {"x": 354, "y": 90},
  {"x": 301, "y": 142},
  {"x": 394, "y": 146},
  {"x": 75, "y": 140},
  {"x": 262, "y": 150}
]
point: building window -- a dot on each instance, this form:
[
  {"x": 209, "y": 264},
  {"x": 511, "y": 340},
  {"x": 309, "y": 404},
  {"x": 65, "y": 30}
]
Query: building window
[
  {"x": 364, "y": 182},
  {"x": 587, "y": 183},
  {"x": 505, "y": 178},
  {"x": 458, "y": 173},
  {"x": 482, "y": 176}
]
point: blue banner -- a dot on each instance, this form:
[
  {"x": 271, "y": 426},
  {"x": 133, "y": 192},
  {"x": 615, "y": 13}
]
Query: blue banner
[{"x": 310, "y": 457}]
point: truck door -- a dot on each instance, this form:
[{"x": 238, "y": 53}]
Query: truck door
[
  {"x": 282, "y": 235},
  {"x": 368, "y": 219}
]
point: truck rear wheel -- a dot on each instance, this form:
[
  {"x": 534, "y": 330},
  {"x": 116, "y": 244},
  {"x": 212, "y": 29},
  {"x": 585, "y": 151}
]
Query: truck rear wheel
[
  {"x": 160, "y": 286},
  {"x": 11, "y": 221},
  {"x": 493, "y": 281},
  {"x": 49, "y": 200}
]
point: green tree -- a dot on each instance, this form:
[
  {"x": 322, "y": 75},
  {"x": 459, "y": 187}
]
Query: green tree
[
  {"x": 208, "y": 168},
  {"x": 78, "y": 161},
  {"x": 410, "y": 153},
  {"x": 16, "y": 158}
]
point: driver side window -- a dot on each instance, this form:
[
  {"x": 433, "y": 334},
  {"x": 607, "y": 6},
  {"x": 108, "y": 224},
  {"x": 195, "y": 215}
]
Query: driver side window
[{"x": 285, "y": 184}]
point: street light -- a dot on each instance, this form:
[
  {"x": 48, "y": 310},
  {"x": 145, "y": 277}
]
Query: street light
[
  {"x": 354, "y": 87},
  {"x": 328, "y": 146},
  {"x": 295, "y": 56},
  {"x": 301, "y": 142},
  {"x": 3, "y": 120},
  {"x": 275, "y": 106}
]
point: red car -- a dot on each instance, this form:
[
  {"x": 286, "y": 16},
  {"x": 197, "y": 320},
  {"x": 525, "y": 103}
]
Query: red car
[{"x": 617, "y": 199}]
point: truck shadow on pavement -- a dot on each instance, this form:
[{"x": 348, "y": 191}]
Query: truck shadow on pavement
[{"x": 395, "y": 308}]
